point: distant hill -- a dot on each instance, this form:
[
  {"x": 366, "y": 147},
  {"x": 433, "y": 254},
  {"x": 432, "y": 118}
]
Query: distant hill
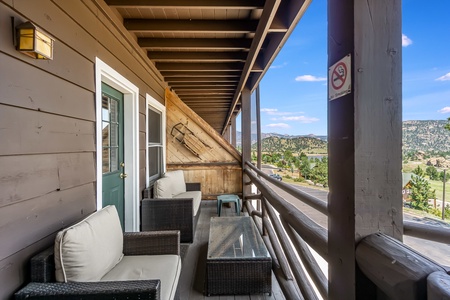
[
  {"x": 425, "y": 136},
  {"x": 308, "y": 145},
  {"x": 420, "y": 135},
  {"x": 285, "y": 136}
]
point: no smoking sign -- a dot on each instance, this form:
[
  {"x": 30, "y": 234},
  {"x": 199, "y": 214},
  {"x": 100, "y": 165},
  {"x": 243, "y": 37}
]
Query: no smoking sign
[{"x": 339, "y": 78}]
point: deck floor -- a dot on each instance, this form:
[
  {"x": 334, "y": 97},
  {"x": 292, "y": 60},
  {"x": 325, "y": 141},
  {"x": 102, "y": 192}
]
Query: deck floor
[{"x": 192, "y": 280}]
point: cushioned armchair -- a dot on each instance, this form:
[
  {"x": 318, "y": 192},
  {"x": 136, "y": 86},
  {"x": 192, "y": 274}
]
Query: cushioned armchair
[
  {"x": 172, "y": 204},
  {"x": 93, "y": 259}
]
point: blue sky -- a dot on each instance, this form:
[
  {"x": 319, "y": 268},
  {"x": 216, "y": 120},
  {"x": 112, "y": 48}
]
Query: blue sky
[{"x": 294, "y": 92}]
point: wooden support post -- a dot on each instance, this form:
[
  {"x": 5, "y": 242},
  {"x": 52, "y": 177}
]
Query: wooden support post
[
  {"x": 364, "y": 133},
  {"x": 246, "y": 136},
  {"x": 233, "y": 131},
  {"x": 258, "y": 136}
]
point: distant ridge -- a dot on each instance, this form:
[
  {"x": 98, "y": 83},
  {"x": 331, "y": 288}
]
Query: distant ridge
[
  {"x": 286, "y": 136},
  {"x": 426, "y": 136}
]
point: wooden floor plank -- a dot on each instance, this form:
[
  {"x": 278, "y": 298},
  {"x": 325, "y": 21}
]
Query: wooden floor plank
[{"x": 192, "y": 279}]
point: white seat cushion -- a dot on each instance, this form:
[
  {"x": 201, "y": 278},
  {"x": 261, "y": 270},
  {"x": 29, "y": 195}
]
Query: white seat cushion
[
  {"x": 167, "y": 268},
  {"x": 196, "y": 195},
  {"x": 89, "y": 249}
]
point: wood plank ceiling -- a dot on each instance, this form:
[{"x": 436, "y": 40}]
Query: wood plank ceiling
[{"x": 210, "y": 50}]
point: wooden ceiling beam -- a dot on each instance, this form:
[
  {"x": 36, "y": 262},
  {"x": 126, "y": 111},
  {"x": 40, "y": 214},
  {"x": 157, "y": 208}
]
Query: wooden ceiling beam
[
  {"x": 278, "y": 25},
  {"x": 205, "y": 93},
  {"x": 167, "y": 66},
  {"x": 193, "y": 43},
  {"x": 209, "y": 98},
  {"x": 181, "y": 85},
  {"x": 203, "y": 88},
  {"x": 191, "y": 4},
  {"x": 173, "y": 80},
  {"x": 210, "y": 109},
  {"x": 165, "y": 56},
  {"x": 227, "y": 74},
  {"x": 190, "y": 26}
]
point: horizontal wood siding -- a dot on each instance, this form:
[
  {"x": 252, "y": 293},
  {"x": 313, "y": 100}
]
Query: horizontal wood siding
[
  {"x": 218, "y": 168},
  {"x": 47, "y": 122}
]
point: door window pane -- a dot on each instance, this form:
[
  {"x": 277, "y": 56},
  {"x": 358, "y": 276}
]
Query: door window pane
[
  {"x": 114, "y": 159},
  {"x": 105, "y": 160},
  {"x": 105, "y": 134},
  {"x": 110, "y": 134},
  {"x": 105, "y": 108}
]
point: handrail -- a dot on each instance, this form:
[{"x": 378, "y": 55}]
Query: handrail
[
  {"x": 315, "y": 235},
  {"x": 290, "y": 233},
  {"x": 427, "y": 232},
  {"x": 305, "y": 197},
  {"x": 297, "y": 269},
  {"x": 308, "y": 260}
]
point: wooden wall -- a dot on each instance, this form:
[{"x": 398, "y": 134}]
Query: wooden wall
[
  {"x": 47, "y": 122},
  {"x": 217, "y": 165}
]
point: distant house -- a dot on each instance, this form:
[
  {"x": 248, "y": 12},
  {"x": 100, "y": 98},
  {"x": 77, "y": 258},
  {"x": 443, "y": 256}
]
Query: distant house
[{"x": 406, "y": 186}]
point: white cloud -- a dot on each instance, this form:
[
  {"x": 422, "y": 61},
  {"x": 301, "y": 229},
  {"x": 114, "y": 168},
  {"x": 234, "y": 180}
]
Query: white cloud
[
  {"x": 269, "y": 110},
  {"x": 278, "y": 125},
  {"x": 278, "y": 66},
  {"x": 310, "y": 78},
  {"x": 301, "y": 119},
  {"x": 445, "y": 110},
  {"x": 406, "y": 41},
  {"x": 444, "y": 78},
  {"x": 275, "y": 112}
]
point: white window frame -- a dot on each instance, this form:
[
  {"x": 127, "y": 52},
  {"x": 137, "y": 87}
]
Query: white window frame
[
  {"x": 152, "y": 103},
  {"x": 106, "y": 74}
]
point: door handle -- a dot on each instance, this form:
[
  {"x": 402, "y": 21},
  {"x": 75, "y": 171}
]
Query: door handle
[{"x": 123, "y": 175}]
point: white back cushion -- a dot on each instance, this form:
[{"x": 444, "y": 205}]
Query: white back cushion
[
  {"x": 89, "y": 249},
  {"x": 163, "y": 188},
  {"x": 178, "y": 185}
]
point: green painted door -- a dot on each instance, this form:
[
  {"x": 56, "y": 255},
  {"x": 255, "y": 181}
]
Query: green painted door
[{"x": 113, "y": 150}]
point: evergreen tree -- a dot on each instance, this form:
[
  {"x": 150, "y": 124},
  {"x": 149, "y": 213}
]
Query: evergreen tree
[
  {"x": 421, "y": 192},
  {"x": 419, "y": 172}
]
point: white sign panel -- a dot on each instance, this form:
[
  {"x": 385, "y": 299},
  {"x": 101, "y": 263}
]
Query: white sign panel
[{"x": 339, "y": 78}]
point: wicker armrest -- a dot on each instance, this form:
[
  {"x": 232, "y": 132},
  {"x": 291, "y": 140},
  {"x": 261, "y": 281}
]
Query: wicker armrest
[
  {"x": 151, "y": 243},
  {"x": 193, "y": 186},
  {"x": 140, "y": 289},
  {"x": 169, "y": 214}
]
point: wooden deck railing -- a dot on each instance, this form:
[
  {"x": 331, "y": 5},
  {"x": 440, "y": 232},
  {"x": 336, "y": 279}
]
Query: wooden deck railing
[{"x": 288, "y": 234}]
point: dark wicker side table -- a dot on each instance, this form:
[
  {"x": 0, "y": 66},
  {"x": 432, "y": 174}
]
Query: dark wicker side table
[{"x": 238, "y": 262}]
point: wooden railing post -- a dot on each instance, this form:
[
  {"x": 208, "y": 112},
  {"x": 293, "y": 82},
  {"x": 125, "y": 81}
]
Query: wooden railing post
[
  {"x": 364, "y": 132},
  {"x": 246, "y": 139}
]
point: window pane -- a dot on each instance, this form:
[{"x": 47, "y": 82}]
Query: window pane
[
  {"x": 154, "y": 161},
  {"x": 114, "y": 159},
  {"x": 154, "y": 127},
  {"x": 114, "y": 141},
  {"x": 114, "y": 113},
  {"x": 105, "y": 134},
  {"x": 105, "y": 108},
  {"x": 105, "y": 160}
]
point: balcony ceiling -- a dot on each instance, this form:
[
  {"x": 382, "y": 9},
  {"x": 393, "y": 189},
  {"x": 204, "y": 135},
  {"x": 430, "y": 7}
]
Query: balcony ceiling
[{"x": 208, "y": 51}]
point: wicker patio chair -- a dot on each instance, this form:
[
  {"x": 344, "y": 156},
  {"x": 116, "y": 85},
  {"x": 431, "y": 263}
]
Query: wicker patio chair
[
  {"x": 171, "y": 213},
  {"x": 44, "y": 286}
]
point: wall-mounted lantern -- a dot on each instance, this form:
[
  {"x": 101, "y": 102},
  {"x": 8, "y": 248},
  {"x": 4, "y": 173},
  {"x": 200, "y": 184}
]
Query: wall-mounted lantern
[{"x": 34, "y": 42}]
